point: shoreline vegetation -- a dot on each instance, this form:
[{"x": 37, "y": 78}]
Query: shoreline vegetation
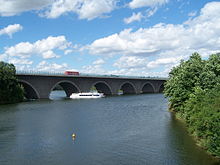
[
  {"x": 10, "y": 90},
  {"x": 193, "y": 90}
]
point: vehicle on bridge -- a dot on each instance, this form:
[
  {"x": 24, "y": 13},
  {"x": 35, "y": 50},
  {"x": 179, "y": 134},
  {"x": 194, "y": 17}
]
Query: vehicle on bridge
[{"x": 71, "y": 73}]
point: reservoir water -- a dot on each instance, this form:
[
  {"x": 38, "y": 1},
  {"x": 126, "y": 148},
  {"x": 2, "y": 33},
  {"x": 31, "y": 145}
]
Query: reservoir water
[{"x": 120, "y": 130}]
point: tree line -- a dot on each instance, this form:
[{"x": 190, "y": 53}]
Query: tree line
[
  {"x": 193, "y": 90},
  {"x": 10, "y": 90}
]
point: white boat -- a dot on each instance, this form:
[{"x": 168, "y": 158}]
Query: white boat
[{"x": 89, "y": 95}]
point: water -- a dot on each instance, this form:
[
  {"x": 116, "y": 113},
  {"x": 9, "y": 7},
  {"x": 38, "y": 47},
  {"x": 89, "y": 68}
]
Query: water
[{"x": 122, "y": 130}]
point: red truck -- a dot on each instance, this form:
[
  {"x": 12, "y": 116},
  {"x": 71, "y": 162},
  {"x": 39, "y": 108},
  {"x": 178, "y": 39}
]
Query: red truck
[{"x": 71, "y": 73}]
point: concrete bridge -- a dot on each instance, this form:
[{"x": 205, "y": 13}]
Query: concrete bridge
[{"x": 39, "y": 86}]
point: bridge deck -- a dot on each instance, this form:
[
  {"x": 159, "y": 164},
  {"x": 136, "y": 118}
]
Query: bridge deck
[{"x": 83, "y": 75}]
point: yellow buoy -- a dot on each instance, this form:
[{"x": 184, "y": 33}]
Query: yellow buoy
[{"x": 73, "y": 136}]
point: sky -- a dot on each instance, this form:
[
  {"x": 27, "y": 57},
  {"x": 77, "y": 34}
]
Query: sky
[{"x": 121, "y": 37}]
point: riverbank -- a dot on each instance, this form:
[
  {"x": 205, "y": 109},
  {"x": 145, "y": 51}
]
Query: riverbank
[
  {"x": 199, "y": 141},
  {"x": 11, "y": 102}
]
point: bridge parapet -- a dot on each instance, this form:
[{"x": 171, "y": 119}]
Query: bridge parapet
[{"x": 61, "y": 74}]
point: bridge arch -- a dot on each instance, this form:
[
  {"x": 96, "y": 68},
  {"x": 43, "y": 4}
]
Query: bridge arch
[
  {"x": 68, "y": 86},
  {"x": 102, "y": 87},
  {"x": 29, "y": 90},
  {"x": 148, "y": 88},
  {"x": 128, "y": 88}
]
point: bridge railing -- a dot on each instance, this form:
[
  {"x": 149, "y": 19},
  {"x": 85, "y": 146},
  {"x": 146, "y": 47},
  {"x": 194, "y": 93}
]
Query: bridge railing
[
  {"x": 46, "y": 73},
  {"x": 31, "y": 72}
]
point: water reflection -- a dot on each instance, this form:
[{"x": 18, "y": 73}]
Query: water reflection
[
  {"x": 180, "y": 140},
  {"x": 58, "y": 95}
]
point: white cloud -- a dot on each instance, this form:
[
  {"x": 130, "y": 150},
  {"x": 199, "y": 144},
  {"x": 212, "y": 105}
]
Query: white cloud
[
  {"x": 163, "y": 45},
  {"x": 21, "y": 55},
  {"x": 17, "y": 61},
  {"x": 143, "y": 41},
  {"x": 22, "y": 50},
  {"x": 135, "y": 17},
  {"x": 146, "y": 3},
  {"x": 11, "y": 29},
  {"x": 45, "y": 66},
  {"x": 44, "y": 48},
  {"x": 3, "y": 57},
  {"x": 151, "y": 12},
  {"x": 85, "y": 9},
  {"x": 143, "y": 66},
  {"x": 99, "y": 62},
  {"x": 198, "y": 34},
  {"x": 68, "y": 51},
  {"x": 163, "y": 61},
  {"x": 139, "y": 16},
  {"x": 21, "y": 64},
  {"x": 15, "y": 7},
  {"x": 192, "y": 14},
  {"x": 93, "y": 69},
  {"x": 130, "y": 65},
  {"x": 131, "y": 62},
  {"x": 49, "y": 54},
  {"x": 139, "y": 71}
]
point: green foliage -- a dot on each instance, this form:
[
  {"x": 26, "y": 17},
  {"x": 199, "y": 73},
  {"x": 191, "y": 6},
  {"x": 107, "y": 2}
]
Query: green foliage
[
  {"x": 211, "y": 75},
  {"x": 202, "y": 112},
  {"x": 193, "y": 90},
  {"x": 182, "y": 80},
  {"x": 10, "y": 90}
]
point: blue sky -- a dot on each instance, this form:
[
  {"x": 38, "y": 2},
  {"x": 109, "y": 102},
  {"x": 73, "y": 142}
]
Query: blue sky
[{"x": 124, "y": 37}]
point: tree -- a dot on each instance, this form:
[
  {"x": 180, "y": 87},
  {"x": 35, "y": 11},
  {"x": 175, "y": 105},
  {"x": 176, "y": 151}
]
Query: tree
[
  {"x": 182, "y": 80},
  {"x": 10, "y": 90},
  {"x": 211, "y": 75},
  {"x": 193, "y": 90}
]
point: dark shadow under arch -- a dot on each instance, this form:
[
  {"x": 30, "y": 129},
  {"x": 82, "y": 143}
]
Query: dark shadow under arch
[
  {"x": 161, "y": 89},
  {"x": 103, "y": 87},
  {"x": 29, "y": 91},
  {"x": 68, "y": 86},
  {"x": 128, "y": 88},
  {"x": 148, "y": 88}
]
